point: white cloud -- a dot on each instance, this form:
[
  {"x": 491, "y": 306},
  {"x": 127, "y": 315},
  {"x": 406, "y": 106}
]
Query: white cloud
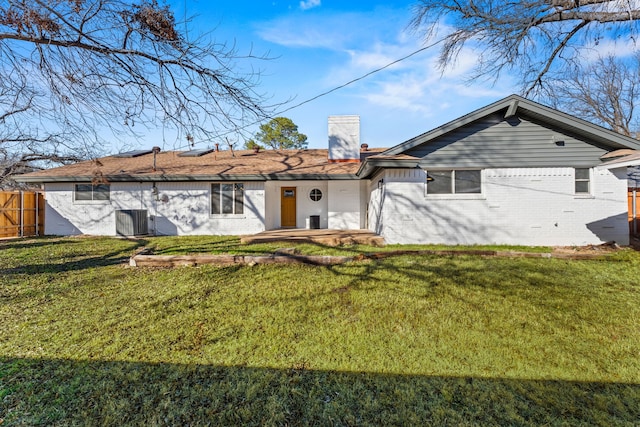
[
  {"x": 413, "y": 95},
  {"x": 369, "y": 60},
  {"x": 416, "y": 85},
  {"x": 334, "y": 31},
  {"x": 463, "y": 64},
  {"x": 380, "y": 55},
  {"x": 609, "y": 47},
  {"x": 309, "y": 31},
  {"x": 310, "y": 4},
  {"x": 403, "y": 94},
  {"x": 359, "y": 62}
]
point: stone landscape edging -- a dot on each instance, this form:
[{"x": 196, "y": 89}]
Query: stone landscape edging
[{"x": 145, "y": 260}]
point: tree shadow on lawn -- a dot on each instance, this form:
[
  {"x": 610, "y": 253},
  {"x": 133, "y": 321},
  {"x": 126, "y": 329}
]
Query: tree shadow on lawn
[
  {"x": 67, "y": 392},
  {"x": 34, "y": 242},
  {"x": 547, "y": 283},
  {"x": 180, "y": 245},
  {"x": 232, "y": 245},
  {"x": 484, "y": 271},
  {"x": 74, "y": 261}
]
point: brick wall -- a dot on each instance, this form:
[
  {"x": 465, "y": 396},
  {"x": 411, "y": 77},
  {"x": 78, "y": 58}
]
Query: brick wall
[{"x": 529, "y": 206}]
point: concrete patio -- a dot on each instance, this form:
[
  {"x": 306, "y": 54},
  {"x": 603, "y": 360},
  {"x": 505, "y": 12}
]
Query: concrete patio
[{"x": 320, "y": 236}]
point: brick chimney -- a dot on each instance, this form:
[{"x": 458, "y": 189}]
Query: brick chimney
[{"x": 344, "y": 139}]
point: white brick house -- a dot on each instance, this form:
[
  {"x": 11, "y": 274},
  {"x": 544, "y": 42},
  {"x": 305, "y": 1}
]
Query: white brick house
[{"x": 514, "y": 172}]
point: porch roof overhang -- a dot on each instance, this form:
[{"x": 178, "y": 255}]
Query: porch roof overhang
[
  {"x": 372, "y": 165},
  {"x": 622, "y": 162}
]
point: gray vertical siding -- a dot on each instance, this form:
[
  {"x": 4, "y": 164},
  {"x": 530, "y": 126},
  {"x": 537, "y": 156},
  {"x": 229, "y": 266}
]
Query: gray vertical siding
[{"x": 518, "y": 142}]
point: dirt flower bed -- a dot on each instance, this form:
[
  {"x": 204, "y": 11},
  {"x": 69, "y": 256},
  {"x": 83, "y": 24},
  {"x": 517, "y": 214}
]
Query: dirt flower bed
[{"x": 604, "y": 248}]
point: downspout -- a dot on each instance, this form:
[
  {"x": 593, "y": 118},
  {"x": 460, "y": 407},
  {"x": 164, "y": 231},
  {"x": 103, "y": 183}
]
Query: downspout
[
  {"x": 154, "y": 191},
  {"x": 154, "y": 205}
]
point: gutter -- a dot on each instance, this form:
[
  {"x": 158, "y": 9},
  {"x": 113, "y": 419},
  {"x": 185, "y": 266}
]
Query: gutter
[
  {"x": 370, "y": 166},
  {"x": 178, "y": 178},
  {"x": 620, "y": 163}
]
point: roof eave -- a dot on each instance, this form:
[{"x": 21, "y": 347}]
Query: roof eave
[
  {"x": 576, "y": 124},
  {"x": 173, "y": 178},
  {"x": 619, "y": 163},
  {"x": 371, "y": 165},
  {"x": 454, "y": 124}
]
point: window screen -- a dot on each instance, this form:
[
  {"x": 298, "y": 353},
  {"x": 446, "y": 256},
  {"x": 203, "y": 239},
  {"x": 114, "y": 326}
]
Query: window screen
[
  {"x": 454, "y": 182},
  {"x": 582, "y": 181},
  {"x": 227, "y": 198}
]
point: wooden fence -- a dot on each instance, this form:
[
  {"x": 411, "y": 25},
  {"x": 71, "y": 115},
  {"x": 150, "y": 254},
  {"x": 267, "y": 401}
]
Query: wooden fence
[
  {"x": 634, "y": 211},
  {"x": 21, "y": 213}
]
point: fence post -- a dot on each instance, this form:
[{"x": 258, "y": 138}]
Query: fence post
[
  {"x": 21, "y": 213},
  {"x": 37, "y": 213},
  {"x": 634, "y": 211}
]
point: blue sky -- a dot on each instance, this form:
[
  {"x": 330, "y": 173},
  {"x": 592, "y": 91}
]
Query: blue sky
[{"x": 317, "y": 45}]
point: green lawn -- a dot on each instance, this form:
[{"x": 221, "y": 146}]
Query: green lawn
[{"x": 407, "y": 340}]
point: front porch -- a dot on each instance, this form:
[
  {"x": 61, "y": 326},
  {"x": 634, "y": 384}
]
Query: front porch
[{"x": 320, "y": 236}]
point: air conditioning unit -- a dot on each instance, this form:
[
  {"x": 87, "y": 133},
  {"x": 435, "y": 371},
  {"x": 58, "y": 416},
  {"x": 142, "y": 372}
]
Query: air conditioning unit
[{"x": 132, "y": 222}]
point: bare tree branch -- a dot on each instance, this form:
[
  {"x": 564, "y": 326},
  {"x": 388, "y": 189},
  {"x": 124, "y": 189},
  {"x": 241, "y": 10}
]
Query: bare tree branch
[
  {"x": 604, "y": 92},
  {"x": 552, "y": 57},
  {"x": 72, "y": 68},
  {"x": 541, "y": 39}
]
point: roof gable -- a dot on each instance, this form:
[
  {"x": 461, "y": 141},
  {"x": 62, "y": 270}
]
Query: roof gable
[
  {"x": 513, "y": 107},
  {"x": 515, "y": 142}
]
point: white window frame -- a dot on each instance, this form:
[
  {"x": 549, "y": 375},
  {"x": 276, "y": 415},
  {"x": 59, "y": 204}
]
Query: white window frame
[
  {"x": 220, "y": 214},
  {"x": 589, "y": 181},
  {"x": 311, "y": 194},
  {"x": 93, "y": 199},
  {"x": 453, "y": 194}
]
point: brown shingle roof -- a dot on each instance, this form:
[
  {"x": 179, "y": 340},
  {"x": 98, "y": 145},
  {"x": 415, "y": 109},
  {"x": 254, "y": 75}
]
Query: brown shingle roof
[
  {"x": 628, "y": 158},
  {"x": 268, "y": 164}
]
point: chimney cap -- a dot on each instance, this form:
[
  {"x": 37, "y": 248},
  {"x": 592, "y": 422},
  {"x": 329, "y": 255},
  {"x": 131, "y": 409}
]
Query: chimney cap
[{"x": 364, "y": 147}]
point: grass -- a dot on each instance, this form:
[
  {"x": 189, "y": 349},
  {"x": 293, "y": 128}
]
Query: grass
[{"x": 398, "y": 341}]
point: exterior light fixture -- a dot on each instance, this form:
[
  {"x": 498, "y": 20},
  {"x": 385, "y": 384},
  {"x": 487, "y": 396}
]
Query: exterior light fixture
[{"x": 557, "y": 142}]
